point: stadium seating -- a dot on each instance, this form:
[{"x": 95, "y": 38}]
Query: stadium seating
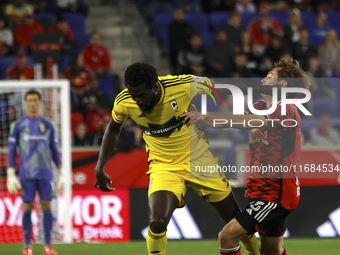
[
  {"x": 199, "y": 21},
  {"x": 162, "y": 20},
  {"x": 4, "y": 64},
  {"x": 39, "y": 16},
  {"x": 207, "y": 39},
  {"x": 308, "y": 18},
  {"x": 77, "y": 23},
  {"x": 282, "y": 17},
  {"x": 335, "y": 122},
  {"x": 81, "y": 42},
  {"x": 308, "y": 123},
  {"x": 325, "y": 105},
  {"x": 334, "y": 82},
  {"x": 64, "y": 63},
  {"x": 106, "y": 86},
  {"x": 247, "y": 17},
  {"x": 334, "y": 20},
  {"x": 218, "y": 20}
]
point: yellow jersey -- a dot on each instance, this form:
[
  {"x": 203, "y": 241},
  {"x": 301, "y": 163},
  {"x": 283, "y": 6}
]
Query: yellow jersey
[{"x": 167, "y": 139}]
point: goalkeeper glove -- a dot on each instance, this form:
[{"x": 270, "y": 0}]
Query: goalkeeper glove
[
  {"x": 61, "y": 181},
  {"x": 13, "y": 184}
]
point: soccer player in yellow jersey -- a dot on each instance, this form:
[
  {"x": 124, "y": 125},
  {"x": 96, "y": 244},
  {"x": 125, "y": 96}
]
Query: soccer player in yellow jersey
[{"x": 155, "y": 103}]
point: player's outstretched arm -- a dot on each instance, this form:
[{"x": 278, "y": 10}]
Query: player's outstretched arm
[{"x": 106, "y": 150}]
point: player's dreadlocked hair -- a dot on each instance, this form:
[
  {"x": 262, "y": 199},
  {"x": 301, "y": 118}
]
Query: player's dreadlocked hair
[
  {"x": 140, "y": 73},
  {"x": 290, "y": 68}
]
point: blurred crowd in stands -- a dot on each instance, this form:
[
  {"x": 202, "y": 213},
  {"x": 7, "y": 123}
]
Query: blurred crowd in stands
[
  {"x": 215, "y": 38},
  {"x": 243, "y": 38},
  {"x": 84, "y": 61}
]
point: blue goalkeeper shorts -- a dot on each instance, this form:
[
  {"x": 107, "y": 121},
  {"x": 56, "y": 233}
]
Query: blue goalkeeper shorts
[{"x": 44, "y": 187}]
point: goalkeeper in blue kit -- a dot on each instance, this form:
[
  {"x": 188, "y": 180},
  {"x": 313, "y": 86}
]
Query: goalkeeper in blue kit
[{"x": 35, "y": 139}]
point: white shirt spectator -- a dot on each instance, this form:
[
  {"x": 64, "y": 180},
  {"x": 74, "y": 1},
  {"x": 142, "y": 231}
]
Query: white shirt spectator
[
  {"x": 65, "y": 3},
  {"x": 324, "y": 134},
  {"x": 6, "y": 36}
]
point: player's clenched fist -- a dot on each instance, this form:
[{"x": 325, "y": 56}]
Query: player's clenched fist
[{"x": 102, "y": 181}]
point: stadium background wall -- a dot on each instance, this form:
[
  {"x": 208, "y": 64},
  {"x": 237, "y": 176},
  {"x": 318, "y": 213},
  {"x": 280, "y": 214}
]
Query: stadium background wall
[
  {"x": 318, "y": 214},
  {"x": 319, "y": 210}
]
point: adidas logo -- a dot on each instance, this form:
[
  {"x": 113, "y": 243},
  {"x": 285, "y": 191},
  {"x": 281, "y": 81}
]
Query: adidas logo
[
  {"x": 142, "y": 115},
  {"x": 330, "y": 228}
]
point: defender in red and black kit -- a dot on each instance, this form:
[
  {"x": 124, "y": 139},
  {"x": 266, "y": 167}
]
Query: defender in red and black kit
[{"x": 272, "y": 187}]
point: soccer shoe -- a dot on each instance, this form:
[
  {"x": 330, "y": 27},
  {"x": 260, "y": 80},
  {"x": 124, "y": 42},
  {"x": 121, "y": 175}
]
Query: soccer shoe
[
  {"x": 49, "y": 250},
  {"x": 27, "y": 251}
]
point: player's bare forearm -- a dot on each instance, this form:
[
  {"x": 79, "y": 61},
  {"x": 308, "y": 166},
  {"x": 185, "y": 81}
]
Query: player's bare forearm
[{"x": 109, "y": 142}]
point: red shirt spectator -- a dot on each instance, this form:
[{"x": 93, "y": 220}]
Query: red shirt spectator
[
  {"x": 66, "y": 36},
  {"x": 96, "y": 56},
  {"x": 264, "y": 27},
  {"x": 63, "y": 28},
  {"x": 79, "y": 76},
  {"x": 76, "y": 118},
  {"x": 20, "y": 70},
  {"x": 79, "y": 80},
  {"x": 23, "y": 32},
  {"x": 97, "y": 118}
]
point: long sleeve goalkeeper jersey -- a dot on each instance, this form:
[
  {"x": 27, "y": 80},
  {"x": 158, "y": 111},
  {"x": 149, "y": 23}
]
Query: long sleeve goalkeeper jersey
[{"x": 37, "y": 145}]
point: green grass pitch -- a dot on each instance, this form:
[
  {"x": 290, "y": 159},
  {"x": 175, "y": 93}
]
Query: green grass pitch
[{"x": 315, "y": 246}]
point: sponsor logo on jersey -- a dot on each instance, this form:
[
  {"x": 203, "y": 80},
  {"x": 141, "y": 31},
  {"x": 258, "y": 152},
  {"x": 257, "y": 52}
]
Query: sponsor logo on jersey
[
  {"x": 27, "y": 137},
  {"x": 42, "y": 127},
  {"x": 257, "y": 136},
  {"x": 162, "y": 130}
]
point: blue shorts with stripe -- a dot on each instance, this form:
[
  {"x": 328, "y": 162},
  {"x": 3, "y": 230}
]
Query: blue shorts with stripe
[{"x": 267, "y": 218}]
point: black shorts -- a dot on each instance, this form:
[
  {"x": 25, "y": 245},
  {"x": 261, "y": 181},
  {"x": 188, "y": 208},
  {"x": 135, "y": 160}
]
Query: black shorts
[{"x": 267, "y": 218}]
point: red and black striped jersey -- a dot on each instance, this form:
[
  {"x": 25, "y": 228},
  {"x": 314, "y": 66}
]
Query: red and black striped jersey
[{"x": 275, "y": 152}]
